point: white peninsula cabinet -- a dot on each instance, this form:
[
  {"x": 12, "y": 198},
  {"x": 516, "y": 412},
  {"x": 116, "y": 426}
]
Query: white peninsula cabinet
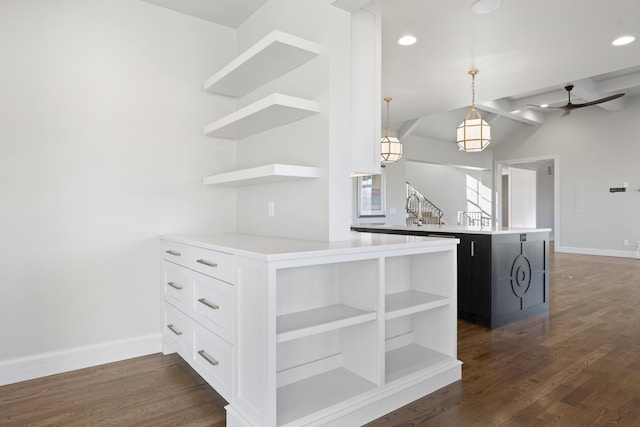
[{"x": 294, "y": 332}]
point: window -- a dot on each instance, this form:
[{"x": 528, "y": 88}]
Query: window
[{"x": 371, "y": 194}]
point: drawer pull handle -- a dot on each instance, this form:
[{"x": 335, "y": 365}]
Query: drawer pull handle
[
  {"x": 209, "y": 304},
  {"x": 174, "y": 330},
  {"x": 174, "y": 253},
  {"x": 174, "y": 286},
  {"x": 208, "y": 358},
  {"x": 207, "y": 263}
]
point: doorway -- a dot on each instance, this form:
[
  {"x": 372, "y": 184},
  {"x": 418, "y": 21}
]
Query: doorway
[
  {"x": 519, "y": 197},
  {"x": 540, "y": 208}
]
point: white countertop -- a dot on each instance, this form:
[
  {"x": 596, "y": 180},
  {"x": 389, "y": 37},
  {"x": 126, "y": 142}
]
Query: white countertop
[
  {"x": 272, "y": 248},
  {"x": 466, "y": 229}
]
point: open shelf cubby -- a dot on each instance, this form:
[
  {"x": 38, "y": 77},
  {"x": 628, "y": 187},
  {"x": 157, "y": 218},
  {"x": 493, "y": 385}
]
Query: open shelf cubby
[
  {"x": 275, "y": 55},
  {"x": 418, "y": 282},
  {"x": 309, "y": 322},
  {"x": 317, "y": 371},
  {"x": 327, "y": 336},
  {"x": 404, "y": 361},
  {"x": 299, "y": 399},
  {"x": 409, "y": 302},
  {"x": 413, "y": 345}
]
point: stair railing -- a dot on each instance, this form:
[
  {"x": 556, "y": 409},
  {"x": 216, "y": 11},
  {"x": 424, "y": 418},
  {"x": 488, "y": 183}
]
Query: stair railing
[
  {"x": 420, "y": 209},
  {"x": 476, "y": 219}
]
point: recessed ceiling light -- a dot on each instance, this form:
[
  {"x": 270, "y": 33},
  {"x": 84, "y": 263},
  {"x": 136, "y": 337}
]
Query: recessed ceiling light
[
  {"x": 407, "y": 40},
  {"x": 621, "y": 41},
  {"x": 486, "y": 6},
  {"x": 544, "y": 105}
]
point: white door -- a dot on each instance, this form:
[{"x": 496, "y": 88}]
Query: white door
[{"x": 522, "y": 198}]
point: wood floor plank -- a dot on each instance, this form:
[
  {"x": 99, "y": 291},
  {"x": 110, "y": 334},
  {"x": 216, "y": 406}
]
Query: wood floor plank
[{"x": 578, "y": 365}]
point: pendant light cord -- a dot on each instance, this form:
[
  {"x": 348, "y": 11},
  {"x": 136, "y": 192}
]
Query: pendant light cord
[
  {"x": 388, "y": 128},
  {"x": 473, "y": 88}
]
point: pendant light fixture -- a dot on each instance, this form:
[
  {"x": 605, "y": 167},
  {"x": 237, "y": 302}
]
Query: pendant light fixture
[
  {"x": 474, "y": 134},
  {"x": 391, "y": 149}
]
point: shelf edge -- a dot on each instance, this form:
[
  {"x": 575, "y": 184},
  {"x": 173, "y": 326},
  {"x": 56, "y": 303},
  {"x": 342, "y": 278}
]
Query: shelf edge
[
  {"x": 245, "y": 57},
  {"x": 263, "y": 174}
]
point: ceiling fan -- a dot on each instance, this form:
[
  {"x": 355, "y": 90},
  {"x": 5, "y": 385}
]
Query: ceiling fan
[{"x": 571, "y": 106}]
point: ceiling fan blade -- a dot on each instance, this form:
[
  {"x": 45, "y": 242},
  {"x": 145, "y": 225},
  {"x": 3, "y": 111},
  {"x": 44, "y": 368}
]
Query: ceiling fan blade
[
  {"x": 571, "y": 106},
  {"x": 595, "y": 102}
]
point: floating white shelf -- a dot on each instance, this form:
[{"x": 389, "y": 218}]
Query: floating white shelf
[
  {"x": 274, "y": 55},
  {"x": 269, "y": 112},
  {"x": 266, "y": 174},
  {"x": 409, "y": 302},
  {"x": 410, "y": 359},
  {"x": 309, "y": 322},
  {"x": 312, "y": 394}
]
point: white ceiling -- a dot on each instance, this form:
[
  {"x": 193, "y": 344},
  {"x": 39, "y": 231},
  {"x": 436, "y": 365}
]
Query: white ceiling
[{"x": 526, "y": 52}]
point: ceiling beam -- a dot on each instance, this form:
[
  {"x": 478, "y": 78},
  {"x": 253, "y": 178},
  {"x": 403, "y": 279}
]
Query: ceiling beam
[
  {"x": 408, "y": 127},
  {"x": 351, "y": 5},
  {"x": 550, "y": 98},
  {"x": 619, "y": 84},
  {"x": 504, "y": 108}
]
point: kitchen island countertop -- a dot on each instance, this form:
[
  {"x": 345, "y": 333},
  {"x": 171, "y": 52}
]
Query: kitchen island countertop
[{"x": 466, "y": 229}]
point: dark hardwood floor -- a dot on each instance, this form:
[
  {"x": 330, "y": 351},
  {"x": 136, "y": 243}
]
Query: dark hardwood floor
[{"x": 578, "y": 366}]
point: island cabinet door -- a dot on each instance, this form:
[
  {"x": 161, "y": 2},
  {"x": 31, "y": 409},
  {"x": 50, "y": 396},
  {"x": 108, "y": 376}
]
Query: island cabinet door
[
  {"x": 521, "y": 277},
  {"x": 464, "y": 277},
  {"x": 474, "y": 278},
  {"x": 480, "y": 250}
]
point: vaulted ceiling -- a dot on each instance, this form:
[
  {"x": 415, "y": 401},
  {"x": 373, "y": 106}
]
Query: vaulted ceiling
[{"x": 526, "y": 52}]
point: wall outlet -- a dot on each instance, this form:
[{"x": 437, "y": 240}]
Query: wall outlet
[
  {"x": 626, "y": 243},
  {"x": 271, "y": 208}
]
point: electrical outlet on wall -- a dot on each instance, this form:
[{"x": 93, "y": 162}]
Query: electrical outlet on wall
[{"x": 271, "y": 208}]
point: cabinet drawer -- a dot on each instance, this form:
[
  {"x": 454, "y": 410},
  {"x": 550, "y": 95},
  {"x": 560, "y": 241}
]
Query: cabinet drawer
[
  {"x": 177, "y": 333},
  {"x": 175, "y": 252},
  {"x": 212, "y": 263},
  {"x": 212, "y": 304},
  {"x": 212, "y": 358},
  {"x": 176, "y": 285}
]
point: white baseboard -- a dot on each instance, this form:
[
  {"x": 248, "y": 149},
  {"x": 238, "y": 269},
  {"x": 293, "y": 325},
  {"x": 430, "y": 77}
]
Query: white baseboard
[
  {"x": 56, "y": 362},
  {"x": 600, "y": 252}
]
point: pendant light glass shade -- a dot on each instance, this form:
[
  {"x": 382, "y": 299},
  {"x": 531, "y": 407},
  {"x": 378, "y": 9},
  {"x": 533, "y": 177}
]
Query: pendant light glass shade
[
  {"x": 391, "y": 147},
  {"x": 473, "y": 134}
]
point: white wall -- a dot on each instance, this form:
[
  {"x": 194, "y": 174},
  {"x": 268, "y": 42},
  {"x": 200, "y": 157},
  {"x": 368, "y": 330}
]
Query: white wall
[
  {"x": 426, "y": 164},
  {"x": 101, "y": 151},
  {"x": 439, "y": 171},
  {"x": 445, "y": 153},
  {"x": 596, "y": 150},
  {"x": 312, "y": 209},
  {"x": 445, "y": 186}
]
